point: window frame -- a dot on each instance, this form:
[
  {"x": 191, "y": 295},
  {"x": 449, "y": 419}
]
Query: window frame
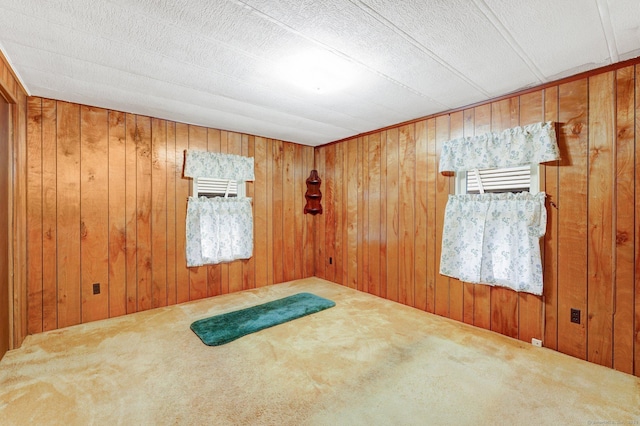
[
  {"x": 200, "y": 186},
  {"x": 461, "y": 181}
]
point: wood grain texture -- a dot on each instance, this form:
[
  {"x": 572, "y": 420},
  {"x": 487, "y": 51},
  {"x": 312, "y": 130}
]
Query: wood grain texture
[
  {"x": 601, "y": 237},
  {"x": 393, "y": 225},
  {"x": 117, "y": 214},
  {"x": 590, "y": 250},
  {"x": 94, "y": 212},
  {"x": 406, "y": 205},
  {"x": 550, "y": 242},
  {"x": 159, "y": 213},
  {"x": 107, "y": 203},
  {"x": 572, "y": 220},
  {"x": 6, "y": 184},
  {"x": 625, "y": 202},
  {"x": 420, "y": 216},
  {"x": 34, "y": 217},
  {"x": 636, "y": 331}
]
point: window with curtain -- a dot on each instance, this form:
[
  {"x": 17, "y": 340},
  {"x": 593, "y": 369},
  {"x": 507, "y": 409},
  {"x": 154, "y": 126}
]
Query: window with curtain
[
  {"x": 218, "y": 229},
  {"x": 493, "y": 238}
]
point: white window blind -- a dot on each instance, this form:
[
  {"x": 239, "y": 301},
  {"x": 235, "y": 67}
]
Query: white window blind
[
  {"x": 212, "y": 187},
  {"x": 508, "y": 179}
]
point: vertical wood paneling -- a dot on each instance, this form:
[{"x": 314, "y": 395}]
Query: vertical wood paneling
[
  {"x": 363, "y": 222},
  {"x": 269, "y": 208},
  {"x": 432, "y": 242},
  {"x": 329, "y": 213},
  {"x": 338, "y": 197},
  {"x": 420, "y": 216},
  {"x": 373, "y": 213},
  {"x": 550, "y": 244},
  {"x": 299, "y": 189},
  {"x": 172, "y": 288},
  {"x": 590, "y": 252},
  {"x": 68, "y": 224},
  {"x": 309, "y": 219},
  {"x": 572, "y": 220},
  {"x": 624, "y": 220},
  {"x": 260, "y": 222},
  {"x": 34, "y": 216},
  {"x": 159, "y": 213},
  {"x": 117, "y": 215},
  {"x": 107, "y": 204},
  {"x": 601, "y": 237},
  {"x": 406, "y": 205},
  {"x": 636, "y": 331},
  {"x": 94, "y": 209},
  {"x": 143, "y": 212},
  {"x": 278, "y": 212},
  {"x": 352, "y": 213},
  {"x": 131, "y": 213},
  {"x": 393, "y": 226},
  {"x": 320, "y": 221},
  {"x": 49, "y": 216}
]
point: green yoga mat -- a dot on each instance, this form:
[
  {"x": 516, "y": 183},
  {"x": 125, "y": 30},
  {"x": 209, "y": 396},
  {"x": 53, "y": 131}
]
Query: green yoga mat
[{"x": 225, "y": 328}]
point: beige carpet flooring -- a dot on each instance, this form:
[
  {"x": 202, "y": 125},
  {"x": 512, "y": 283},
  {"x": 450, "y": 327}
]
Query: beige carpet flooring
[{"x": 367, "y": 361}]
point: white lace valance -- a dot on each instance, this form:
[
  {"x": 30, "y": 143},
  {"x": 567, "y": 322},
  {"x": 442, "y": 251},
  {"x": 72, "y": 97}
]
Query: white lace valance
[
  {"x": 532, "y": 144},
  {"x": 494, "y": 239},
  {"x": 216, "y": 165}
]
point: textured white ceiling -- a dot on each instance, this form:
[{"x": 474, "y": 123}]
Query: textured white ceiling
[{"x": 229, "y": 64}]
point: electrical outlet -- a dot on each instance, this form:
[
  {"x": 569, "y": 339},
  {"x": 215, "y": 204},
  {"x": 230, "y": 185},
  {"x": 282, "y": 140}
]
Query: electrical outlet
[
  {"x": 575, "y": 316},
  {"x": 96, "y": 288},
  {"x": 536, "y": 342}
]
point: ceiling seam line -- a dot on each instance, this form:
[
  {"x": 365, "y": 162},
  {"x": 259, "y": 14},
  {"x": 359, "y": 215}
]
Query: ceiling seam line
[
  {"x": 374, "y": 14},
  {"x": 508, "y": 37},
  {"x": 607, "y": 29},
  {"x": 335, "y": 51}
]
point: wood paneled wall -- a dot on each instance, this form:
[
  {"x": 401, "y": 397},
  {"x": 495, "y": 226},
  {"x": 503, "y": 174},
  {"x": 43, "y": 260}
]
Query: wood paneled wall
[
  {"x": 13, "y": 202},
  {"x": 384, "y": 206},
  {"x": 107, "y": 204}
]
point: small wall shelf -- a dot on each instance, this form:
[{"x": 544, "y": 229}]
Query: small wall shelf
[{"x": 313, "y": 194}]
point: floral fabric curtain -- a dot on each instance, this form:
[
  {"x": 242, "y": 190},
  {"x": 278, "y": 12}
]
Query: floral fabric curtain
[
  {"x": 217, "y": 165},
  {"x": 494, "y": 239},
  {"x": 218, "y": 230},
  {"x": 519, "y": 146}
]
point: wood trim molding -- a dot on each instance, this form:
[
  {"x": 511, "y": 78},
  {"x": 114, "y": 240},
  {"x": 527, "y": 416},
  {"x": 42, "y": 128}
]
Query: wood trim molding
[{"x": 579, "y": 76}]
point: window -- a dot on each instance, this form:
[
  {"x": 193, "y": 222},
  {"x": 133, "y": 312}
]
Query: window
[
  {"x": 508, "y": 179},
  {"x": 212, "y": 187}
]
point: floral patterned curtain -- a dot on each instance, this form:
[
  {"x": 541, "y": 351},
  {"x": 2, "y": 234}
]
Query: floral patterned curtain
[
  {"x": 532, "y": 144},
  {"x": 494, "y": 239},
  {"x": 218, "y": 230},
  {"x": 217, "y": 165}
]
